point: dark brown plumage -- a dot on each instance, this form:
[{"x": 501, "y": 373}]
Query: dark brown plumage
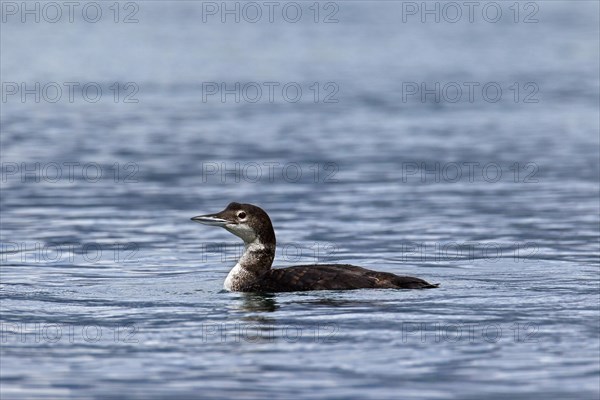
[{"x": 333, "y": 277}]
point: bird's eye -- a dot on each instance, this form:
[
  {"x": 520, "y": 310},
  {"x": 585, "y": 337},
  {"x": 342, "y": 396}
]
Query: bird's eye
[{"x": 241, "y": 215}]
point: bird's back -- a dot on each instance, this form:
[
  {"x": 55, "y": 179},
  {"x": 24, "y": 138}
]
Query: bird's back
[{"x": 333, "y": 277}]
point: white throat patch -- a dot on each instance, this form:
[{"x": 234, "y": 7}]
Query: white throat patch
[{"x": 242, "y": 231}]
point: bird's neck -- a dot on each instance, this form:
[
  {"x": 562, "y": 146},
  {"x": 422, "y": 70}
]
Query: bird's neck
[{"x": 255, "y": 261}]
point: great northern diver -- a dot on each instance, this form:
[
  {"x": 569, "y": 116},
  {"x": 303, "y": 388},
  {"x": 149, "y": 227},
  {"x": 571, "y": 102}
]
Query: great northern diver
[{"x": 253, "y": 271}]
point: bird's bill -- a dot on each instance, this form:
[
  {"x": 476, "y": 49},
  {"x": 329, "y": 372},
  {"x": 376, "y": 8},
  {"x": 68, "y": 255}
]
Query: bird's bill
[{"x": 211, "y": 219}]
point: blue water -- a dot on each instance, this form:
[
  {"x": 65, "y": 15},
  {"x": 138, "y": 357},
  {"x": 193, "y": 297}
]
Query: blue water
[{"x": 109, "y": 290}]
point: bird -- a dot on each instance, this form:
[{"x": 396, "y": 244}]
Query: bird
[{"x": 253, "y": 272}]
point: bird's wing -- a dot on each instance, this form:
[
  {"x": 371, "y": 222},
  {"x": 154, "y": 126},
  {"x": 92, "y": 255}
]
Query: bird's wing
[{"x": 333, "y": 277}]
